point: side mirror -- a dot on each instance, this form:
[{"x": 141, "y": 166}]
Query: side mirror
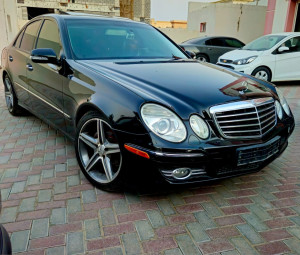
[
  {"x": 44, "y": 56},
  {"x": 283, "y": 48},
  {"x": 191, "y": 54}
]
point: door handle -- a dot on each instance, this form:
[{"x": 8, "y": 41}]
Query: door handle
[
  {"x": 29, "y": 67},
  {"x": 10, "y": 58},
  {"x": 209, "y": 48}
]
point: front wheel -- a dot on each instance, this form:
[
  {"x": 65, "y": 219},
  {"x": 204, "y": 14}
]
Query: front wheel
[
  {"x": 262, "y": 73},
  {"x": 98, "y": 152}
]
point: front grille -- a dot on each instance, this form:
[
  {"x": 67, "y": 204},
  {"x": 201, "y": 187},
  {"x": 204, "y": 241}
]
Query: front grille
[
  {"x": 245, "y": 119},
  {"x": 227, "y": 66},
  {"x": 258, "y": 153}
]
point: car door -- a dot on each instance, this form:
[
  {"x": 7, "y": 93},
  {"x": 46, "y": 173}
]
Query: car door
[
  {"x": 45, "y": 80},
  {"x": 287, "y": 65},
  {"x": 18, "y": 56},
  {"x": 216, "y": 48}
]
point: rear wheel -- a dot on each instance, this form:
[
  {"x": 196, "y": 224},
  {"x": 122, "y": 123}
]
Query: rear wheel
[
  {"x": 10, "y": 98},
  {"x": 262, "y": 73},
  {"x": 202, "y": 58},
  {"x": 98, "y": 152}
]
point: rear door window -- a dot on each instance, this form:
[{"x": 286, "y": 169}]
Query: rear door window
[
  {"x": 30, "y": 35},
  {"x": 49, "y": 37},
  {"x": 230, "y": 42},
  {"x": 217, "y": 42}
]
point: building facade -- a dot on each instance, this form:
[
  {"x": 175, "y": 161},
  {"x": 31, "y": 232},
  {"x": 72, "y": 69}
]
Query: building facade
[
  {"x": 15, "y": 13},
  {"x": 282, "y": 16},
  {"x": 169, "y": 24},
  {"x": 244, "y": 21}
]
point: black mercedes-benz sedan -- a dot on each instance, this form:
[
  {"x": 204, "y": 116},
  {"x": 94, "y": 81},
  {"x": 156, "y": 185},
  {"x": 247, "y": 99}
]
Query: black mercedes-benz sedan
[{"x": 130, "y": 98}]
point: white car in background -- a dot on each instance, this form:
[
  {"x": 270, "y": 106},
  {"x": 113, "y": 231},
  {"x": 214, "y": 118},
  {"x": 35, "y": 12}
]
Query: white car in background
[{"x": 274, "y": 57}]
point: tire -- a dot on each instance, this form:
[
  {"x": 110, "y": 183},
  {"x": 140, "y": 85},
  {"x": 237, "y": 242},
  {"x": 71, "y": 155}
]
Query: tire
[
  {"x": 262, "y": 73},
  {"x": 11, "y": 98},
  {"x": 99, "y": 153},
  {"x": 202, "y": 58}
]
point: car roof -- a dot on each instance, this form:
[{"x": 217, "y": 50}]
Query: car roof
[
  {"x": 206, "y": 38},
  {"x": 80, "y": 15},
  {"x": 285, "y": 34}
]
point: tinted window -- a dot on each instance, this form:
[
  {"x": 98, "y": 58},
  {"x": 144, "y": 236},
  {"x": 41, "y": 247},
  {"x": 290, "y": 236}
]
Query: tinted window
[
  {"x": 49, "y": 37},
  {"x": 293, "y": 44},
  {"x": 101, "y": 39},
  {"x": 208, "y": 42},
  {"x": 17, "y": 42},
  {"x": 30, "y": 36},
  {"x": 229, "y": 42},
  {"x": 217, "y": 42}
]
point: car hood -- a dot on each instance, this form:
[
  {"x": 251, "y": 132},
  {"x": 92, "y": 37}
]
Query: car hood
[
  {"x": 240, "y": 54},
  {"x": 187, "y": 86}
]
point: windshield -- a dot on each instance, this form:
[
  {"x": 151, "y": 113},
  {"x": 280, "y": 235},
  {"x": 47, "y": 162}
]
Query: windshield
[
  {"x": 107, "y": 39},
  {"x": 264, "y": 43}
]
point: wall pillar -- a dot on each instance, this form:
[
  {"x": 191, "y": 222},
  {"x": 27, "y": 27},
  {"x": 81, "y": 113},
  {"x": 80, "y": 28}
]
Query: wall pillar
[
  {"x": 289, "y": 23},
  {"x": 270, "y": 16}
]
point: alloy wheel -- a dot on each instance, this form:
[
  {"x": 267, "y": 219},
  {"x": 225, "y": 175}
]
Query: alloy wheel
[
  {"x": 9, "y": 97},
  {"x": 99, "y": 151},
  {"x": 263, "y": 75}
]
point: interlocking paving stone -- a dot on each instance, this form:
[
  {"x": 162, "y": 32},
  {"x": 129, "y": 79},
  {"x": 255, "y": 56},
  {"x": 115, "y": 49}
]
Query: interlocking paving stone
[
  {"x": 120, "y": 206},
  {"x": 107, "y": 216},
  {"x": 175, "y": 251},
  {"x": 75, "y": 244},
  {"x": 131, "y": 244},
  {"x": 88, "y": 196},
  {"x": 40, "y": 228},
  {"x": 144, "y": 230},
  {"x": 27, "y": 204},
  {"x": 197, "y": 232},
  {"x": 250, "y": 234},
  {"x": 20, "y": 241},
  {"x": 92, "y": 228},
  {"x": 44, "y": 195},
  {"x": 58, "y": 216},
  {"x": 186, "y": 245},
  {"x": 114, "y": 251},
  {"x": 55, "y": 251},
  {"x": 60, "y": 188},
  {"x": 8, "y": 214},
  {"x": 243, "y": 246},
  {"x": 156, "y": 218},
  {"x": 205, "y": 221},
  {"x": 18, "y": 187},
  {"x": 166, "y": 207},
  {"x": 74, "y": 205}
]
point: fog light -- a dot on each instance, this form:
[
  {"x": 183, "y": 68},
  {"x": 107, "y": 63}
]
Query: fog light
[{"x": 181, "y": 173}]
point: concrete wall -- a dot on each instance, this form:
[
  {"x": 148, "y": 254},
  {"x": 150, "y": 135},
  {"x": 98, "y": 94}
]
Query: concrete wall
[
  {"x": 244, "y": 22},
  {"x": 280, "y": 16},
  {"x": 180, "y": 35},
  {"x": 8, "y": 22}
]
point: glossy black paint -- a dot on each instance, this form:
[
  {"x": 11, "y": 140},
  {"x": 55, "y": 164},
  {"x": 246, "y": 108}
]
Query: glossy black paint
[
  {"x": 62, "y": 93},
  {"x": 212, "y": 50}
]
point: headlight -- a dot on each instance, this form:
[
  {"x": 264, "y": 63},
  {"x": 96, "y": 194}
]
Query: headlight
[
  {"x": 244, "y": 61},
  {"x": 199, "y": 126},
  {"x": 283, "y": 102},
  {"x": 163, "y": 123},
  {"x": 278, "y": 109}
]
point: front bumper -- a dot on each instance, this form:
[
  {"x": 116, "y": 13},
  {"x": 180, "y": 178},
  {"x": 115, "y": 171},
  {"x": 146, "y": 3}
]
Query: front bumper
[
  {"x": 221, "y": 159},
  {"x": 246, "y": 69}
]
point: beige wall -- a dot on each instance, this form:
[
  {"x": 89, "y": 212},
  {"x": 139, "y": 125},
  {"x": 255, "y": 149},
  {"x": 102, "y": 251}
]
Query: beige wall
[
  {"x": 244, "y": 22},
  {"x": 179, "y": 35},
  {"x": 8, "y": 30},
  {"x": 280, "y": 16}
]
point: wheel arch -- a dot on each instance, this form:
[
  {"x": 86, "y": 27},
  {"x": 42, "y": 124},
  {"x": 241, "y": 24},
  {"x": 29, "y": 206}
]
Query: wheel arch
[{"x": 83, "y": 109}]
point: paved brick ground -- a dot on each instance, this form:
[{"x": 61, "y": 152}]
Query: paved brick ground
[{"x": 50, "y": 208}]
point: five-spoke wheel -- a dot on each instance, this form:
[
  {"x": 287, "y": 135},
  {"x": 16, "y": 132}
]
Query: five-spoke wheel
[{"x": 98, "y": 150}]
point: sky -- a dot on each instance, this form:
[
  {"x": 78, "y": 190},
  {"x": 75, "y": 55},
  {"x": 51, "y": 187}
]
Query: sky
[{"x": 171, "y": 9}]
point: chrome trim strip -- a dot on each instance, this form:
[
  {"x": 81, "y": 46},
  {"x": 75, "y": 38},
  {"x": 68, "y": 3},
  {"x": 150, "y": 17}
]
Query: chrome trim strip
[{"x": 54, "y": 107}]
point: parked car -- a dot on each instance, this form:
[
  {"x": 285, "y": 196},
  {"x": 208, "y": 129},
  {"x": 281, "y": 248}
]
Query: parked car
[
  {"x": 274, "y": 57},
  {"x": 5, "y": 245},
  {"x": 130, "y": 98},
  {"x": 209, "y": 49}
]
